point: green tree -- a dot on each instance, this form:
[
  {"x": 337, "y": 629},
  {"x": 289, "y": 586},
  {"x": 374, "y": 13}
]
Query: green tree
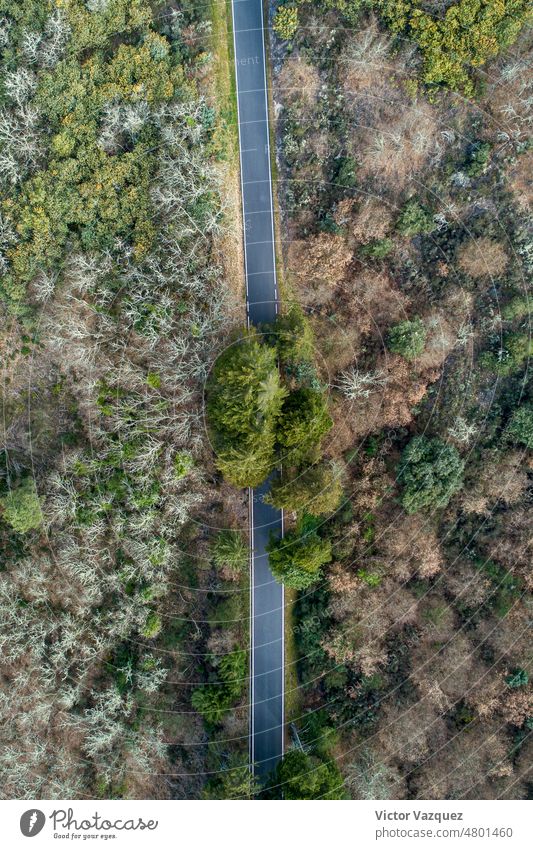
[
  {"x": 517, "y": 678},
  {"x": 230, "y": 549},
  {"x": 414, "y": 218},
  {"x": 286, "y": 22},
  {"x": 516, "y": 347},
  {"x": 293, "y": 336},
  {"x": 464, "y": 38},
  {"x": 211, "y": 702},
  {"x": 303, "y": 776},
  {"x": 520, "y": 427},
  {"x": 303, "y": 423},
  {"x": 316, "y": 489},
  {"x": 22, "y": 507},
  {"x": 407, "y": 338},
  {"x": 430, "y": 473},
  {"x": 251, "y": 463},
  {"x": 297, "y": 558},
  {"x": 244, "y": 403},
  {"x": 234, "y": 781},
  {"x": 233, "y": 672},
  {"x": 378, "y": 249}
]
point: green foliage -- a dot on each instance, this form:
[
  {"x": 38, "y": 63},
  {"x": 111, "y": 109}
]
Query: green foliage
[
  {"x": 518, "y": 307},
  {"x": 407, "y": 338},
  {"x": 211, "y": 702},
  {"x": 152, "y": 626},
  {"x": 478, "y": 157},
  {"x": 234, "y": 781},
  {"x": 414, "y": 218},
  {"x": 297, "y": 558},
  {"x": 378, "y": 249},
  {"x": 516, "y": 348},
  {"x": 517, "y": 678},
  {"x": 506, "y": 587},
  {"x": 214, "y": 700},
  {"x": 86, "y": 193},
  {"x": 22, "y": 507},
  {"x": 520, "y": 427},
  {"x": 286, "y": 22},
  {"x": 303, "y": 423},
  {"x": 316, "y": 489},
  {"x": 183, "y": 463},
  {"x": 244, "y": 403},
  {"x": 464, "y": 38},
  {"x": 346, "y": 176},
  {"x": 230, "y": 549},
  {"x": 227, "y": 611},
  {"x": 153, "y": 380},
  {"x": 430, "y": 472},
  {"x": 303, "y": 776},
  {"x": 293, "y": 336},
  {"x": 371, "y": 579},
  {"x": 233, "y": 672}
]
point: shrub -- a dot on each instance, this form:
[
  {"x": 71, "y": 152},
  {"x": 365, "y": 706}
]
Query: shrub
[
  {"x": 234, "y": 781},
  {"x": 22, "y": 507},
  {"x": 230, "y": 549},
  {"x": 286, "y": 22},
  {"x": 152, "y": 626},
  {"x": 346, "y": 176},
  {"x": 233, "y": 672},
  {"x": 520, "y": 427},
  {"x": 183, "y": 463},
  {"x": 516, "y": 347},
  {"x": 414, "y": 218},
  {"x": 517, "y": 678},
  {"x": 378, "y": 249},
  {"x": 303, "y": 776},
  {"x": 478, "y": 157},
  {"x": 517, "y": 308},
  {"x": 469, "y": 33},
  {"x": 214, "y": 700},
  {"x": 407, "y": 338},
  {"x": 430, "y": 473},
  {"x": 317, "y": 490},
  {"x": 211, "y": 702},
  {"x": 297, "y": 558}
]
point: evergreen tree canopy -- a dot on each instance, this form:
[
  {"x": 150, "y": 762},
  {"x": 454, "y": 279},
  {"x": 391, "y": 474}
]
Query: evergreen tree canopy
[{"x": 430, "y": 472}]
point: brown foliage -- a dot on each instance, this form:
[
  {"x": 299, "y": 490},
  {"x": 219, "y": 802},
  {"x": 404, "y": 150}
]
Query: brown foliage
[
  {"x": 411, "y": 547},
  {"x": 298, "y": 82},
  {"x": 395, "y": 137},
  {"x": 482, "y": 257},
  {"x": 497, "y": 478},
  {"x": 317, "y": 264}
]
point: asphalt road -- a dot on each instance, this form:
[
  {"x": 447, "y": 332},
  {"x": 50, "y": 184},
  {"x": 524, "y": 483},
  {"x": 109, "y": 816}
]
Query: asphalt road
[{"x": 267, "y": 599}]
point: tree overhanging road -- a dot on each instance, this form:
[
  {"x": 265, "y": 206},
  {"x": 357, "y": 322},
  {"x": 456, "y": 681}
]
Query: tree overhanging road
[{"x": 267, "y": 597}]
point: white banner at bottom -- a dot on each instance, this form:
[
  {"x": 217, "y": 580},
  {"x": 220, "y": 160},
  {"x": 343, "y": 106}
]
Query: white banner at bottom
[{"x": 268, "y": 825}]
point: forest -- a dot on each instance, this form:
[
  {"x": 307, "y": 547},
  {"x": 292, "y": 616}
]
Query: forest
[
  {"x": 391, "y": 401},
  {"x": 114, "y": 296},
  {"x": 404, "y": 171}
]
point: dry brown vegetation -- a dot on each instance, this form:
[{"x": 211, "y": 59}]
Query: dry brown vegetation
[
  {"x": 482, "y": 257},
  {"x": 395, "y": 136},
  {"x": 410, "y": 642}
]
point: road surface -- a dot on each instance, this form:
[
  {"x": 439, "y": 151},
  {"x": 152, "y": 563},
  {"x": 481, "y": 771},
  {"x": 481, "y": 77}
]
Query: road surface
[{"x": 267, "y": 600}]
